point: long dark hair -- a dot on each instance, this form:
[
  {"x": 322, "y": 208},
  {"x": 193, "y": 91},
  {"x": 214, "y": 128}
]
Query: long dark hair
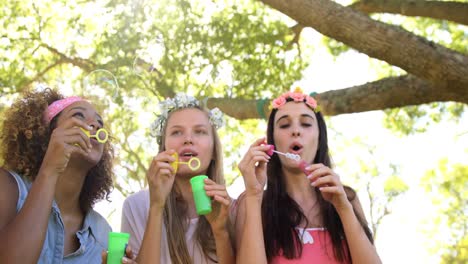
[{"x": 279, "y": 210}]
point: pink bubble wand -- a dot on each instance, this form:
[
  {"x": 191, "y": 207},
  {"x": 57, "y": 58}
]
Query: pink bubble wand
[
  {"x": 302, "y": 163},
  {"x": 287, "y": 155}
]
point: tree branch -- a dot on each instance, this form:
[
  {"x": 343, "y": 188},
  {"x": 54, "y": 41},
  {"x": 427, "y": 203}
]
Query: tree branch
[
  {"x": 390, "y": 92},
  {"x": 416, "y": 55},
  {"x": 84, "y": 64},
  {"x": 385, "y": 93},
  {"x": 133, "y": 154},
  {"x": 297, "y": 29},
  {"x": 40, "y": 74},
  {"x": 374, "y": 225},
  {"x": 452, "y": 11}
]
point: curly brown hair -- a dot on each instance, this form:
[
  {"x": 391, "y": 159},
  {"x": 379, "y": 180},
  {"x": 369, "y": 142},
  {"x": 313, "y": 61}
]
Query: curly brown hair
[{"x": 25, "y": 137}]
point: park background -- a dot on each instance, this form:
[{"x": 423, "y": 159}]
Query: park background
[{"x": 391, "y": 77}]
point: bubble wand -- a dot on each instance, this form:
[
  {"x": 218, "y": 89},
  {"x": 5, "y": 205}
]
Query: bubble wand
[
  {"x": 302, "y": 163},
  {"x": 101, "y": 135},
  {"x": 193, "y": 167},
  {"x": 288, "y": 155}
]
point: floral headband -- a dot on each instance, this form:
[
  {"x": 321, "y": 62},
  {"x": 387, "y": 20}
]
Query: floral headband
[
  {"x": 296, "y": 96},
  {"x": 181, "y": 101}
]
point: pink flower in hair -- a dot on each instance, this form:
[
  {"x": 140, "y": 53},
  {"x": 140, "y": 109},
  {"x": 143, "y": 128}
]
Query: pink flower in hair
[
  {"x": 297, "y": 97},
  {"x": 310, "y": 101},
  {"x": 278, "y": 102}
]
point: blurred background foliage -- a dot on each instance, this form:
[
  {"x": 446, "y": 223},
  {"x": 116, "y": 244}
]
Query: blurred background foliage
[{"x": 128, "y": 55}]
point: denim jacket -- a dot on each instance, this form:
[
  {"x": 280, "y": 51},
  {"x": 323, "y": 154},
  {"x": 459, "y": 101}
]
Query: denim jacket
[{"x": 92, "y": 236}]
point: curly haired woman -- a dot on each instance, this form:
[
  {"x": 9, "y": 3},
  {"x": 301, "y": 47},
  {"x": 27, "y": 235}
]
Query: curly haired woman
[{"x": 52, "y": 175}]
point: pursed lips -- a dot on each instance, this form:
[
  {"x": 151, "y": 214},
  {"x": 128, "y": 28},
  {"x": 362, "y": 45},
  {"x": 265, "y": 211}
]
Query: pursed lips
[
  {"x": 295, "y": 148},
  {"x": 94, "y": 142}
]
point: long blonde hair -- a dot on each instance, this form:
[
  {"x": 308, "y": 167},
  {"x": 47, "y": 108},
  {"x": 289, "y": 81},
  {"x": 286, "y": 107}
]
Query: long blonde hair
[{"x": 175, "y": 211}]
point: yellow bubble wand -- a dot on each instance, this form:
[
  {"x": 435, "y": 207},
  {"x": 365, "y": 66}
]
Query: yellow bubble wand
[
  {"x": 101, "y": 135},
  {"x": 193, "y": 163}
]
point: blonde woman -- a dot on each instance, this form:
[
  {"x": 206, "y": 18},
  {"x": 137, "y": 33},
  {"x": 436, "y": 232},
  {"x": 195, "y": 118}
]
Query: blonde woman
[{"x": 162, "y": 221}]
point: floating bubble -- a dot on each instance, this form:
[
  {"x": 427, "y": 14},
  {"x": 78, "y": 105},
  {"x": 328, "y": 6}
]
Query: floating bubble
[{"x": 102, "y": 84}]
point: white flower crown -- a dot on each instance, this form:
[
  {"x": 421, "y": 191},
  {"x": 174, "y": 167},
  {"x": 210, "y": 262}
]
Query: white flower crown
[{"x": 181, "y": 101}]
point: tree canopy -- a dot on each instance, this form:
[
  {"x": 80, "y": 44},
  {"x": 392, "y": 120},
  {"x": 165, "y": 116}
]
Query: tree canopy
[{"x": 237, "y": 55}]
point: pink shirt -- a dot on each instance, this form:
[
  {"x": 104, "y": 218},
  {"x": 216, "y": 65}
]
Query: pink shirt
[{"x": 317, "y": 248}]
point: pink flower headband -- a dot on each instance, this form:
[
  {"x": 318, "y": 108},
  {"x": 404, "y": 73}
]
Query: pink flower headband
[
  {"x": 296, "y": 96},
  {"x": 56, "y": 107}
]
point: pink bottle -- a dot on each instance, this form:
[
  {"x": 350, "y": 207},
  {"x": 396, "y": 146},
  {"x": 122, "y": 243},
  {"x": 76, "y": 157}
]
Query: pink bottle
[{"x": 303, "y": 165}]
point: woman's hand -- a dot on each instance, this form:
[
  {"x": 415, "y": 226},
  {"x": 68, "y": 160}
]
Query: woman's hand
[
  {"x": 66, "y": 139},
  {"x": 160, "y": 177},
  {"x": 219, "y": 216},
  {"x": 129, "y": 257},
  {"x": 253, "y": 167},
  {"x": 329, "y": 184}
]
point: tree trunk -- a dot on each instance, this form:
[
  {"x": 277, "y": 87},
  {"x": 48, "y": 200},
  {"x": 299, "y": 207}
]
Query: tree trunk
[
  {"x": 382, "y": 94},
  {"x": 453, "y": 11}
]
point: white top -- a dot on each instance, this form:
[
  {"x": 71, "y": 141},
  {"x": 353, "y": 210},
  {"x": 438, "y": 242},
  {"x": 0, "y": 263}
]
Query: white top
[{"x": 134, "y": 217}]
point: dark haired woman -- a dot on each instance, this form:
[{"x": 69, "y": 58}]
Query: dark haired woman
[{"x": 305, "y": 215}]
